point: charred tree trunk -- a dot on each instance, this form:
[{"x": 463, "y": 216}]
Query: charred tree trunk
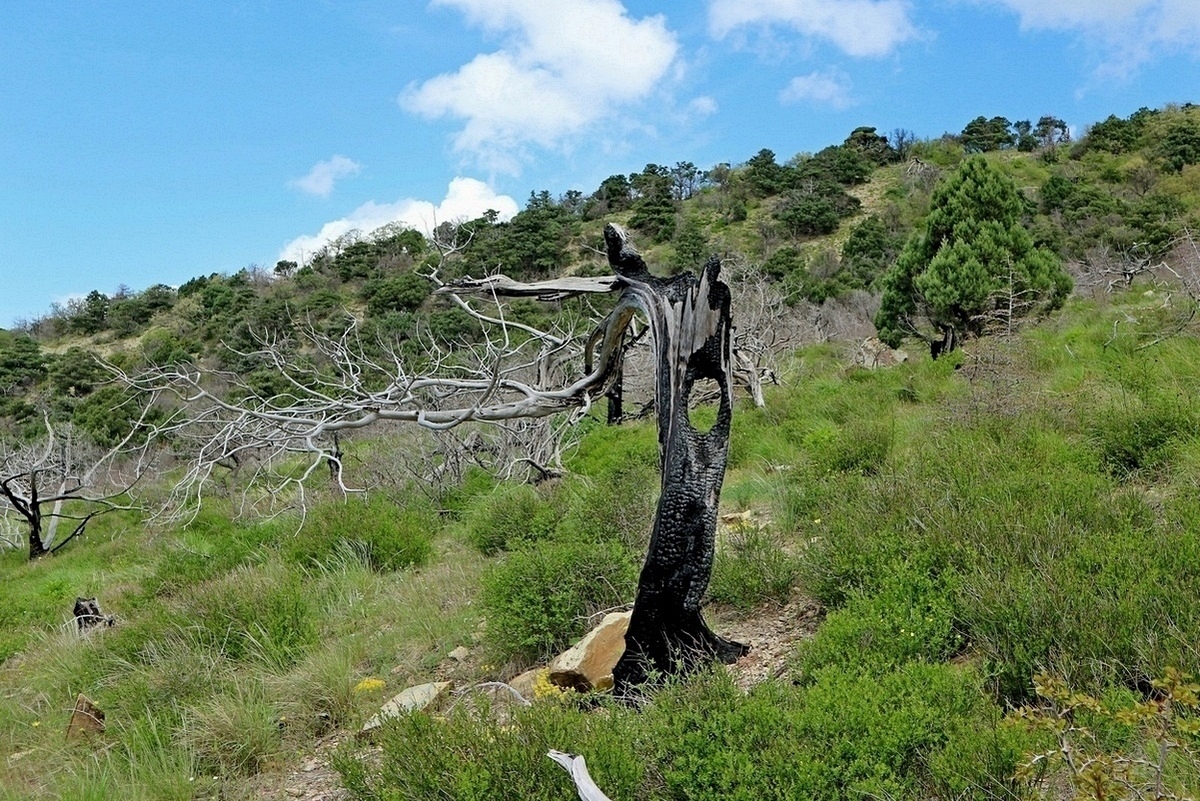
[
  {"x": 691, "y": 335},
  {"x": 615, "y": 396},
  {"x": 37, "y": 548}
]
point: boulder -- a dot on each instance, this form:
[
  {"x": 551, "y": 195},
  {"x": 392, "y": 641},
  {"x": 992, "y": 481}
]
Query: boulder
[
  {"x": 420, "y": 698},
  {"x": 588, "y": 665}
]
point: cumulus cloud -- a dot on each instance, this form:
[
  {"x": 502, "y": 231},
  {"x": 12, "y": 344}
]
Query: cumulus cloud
[
  {"x": 857, "y": 27},
  {"x": 324, "y": 174},
  {"x": 829, "y": 88},
  {"x": 565, "y": 66},
  {"x": 466, "y": 198},
  {"x": 1128, "y": 31}
]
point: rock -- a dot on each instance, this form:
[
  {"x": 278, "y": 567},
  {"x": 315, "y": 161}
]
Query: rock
[
  {"x": 86, "y": 719},
  {"x": 873, "y": 353},
  {"x": 460, "y": 654},
  {"x": 525, "y": 682},
  {"x": 588, "y": 665},
  {"x": 422, "y": 697}
]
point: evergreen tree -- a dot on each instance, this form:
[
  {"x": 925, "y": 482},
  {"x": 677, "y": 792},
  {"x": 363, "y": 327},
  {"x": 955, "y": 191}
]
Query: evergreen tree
[{"x": 973, "y": 253}]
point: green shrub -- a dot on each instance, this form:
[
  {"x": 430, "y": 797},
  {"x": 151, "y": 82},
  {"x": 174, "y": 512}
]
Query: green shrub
[
  {"x": 843, "y": 738},
  {"x": 862, "y": 446},
  {"x": 540, "y": 597},
  {"x": 909, "y": 617},
  {"x": 753, "y": 567},
  {"x": 389, "y": 534},
  {"x": 512, "y": 514},
  {"x": 1136, "y": 436}
]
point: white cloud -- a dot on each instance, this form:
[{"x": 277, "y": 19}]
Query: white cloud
[
  {"x": 857, "y": 27},
  {"x": 466, "y": 198},
  {"x": 703, "y": 106},
  {"x": 830, "y": 88},
  {"x": 1128, "y": 31},
  {"x": 324, "y": 174},
  {"x": 566, "y": 65}
]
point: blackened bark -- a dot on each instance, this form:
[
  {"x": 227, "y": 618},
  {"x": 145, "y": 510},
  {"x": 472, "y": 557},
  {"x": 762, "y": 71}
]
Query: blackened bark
[
  {"x": 691, "y": 336},
  {"x": 37, "y": 548},
  {"x": 615, "y": 396}
]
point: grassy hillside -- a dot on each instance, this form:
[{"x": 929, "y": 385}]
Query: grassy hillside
[{"x": 1029, "y": 505}]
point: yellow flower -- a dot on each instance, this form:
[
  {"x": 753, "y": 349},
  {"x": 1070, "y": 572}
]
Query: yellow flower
[{"x": 369, "y": 684}]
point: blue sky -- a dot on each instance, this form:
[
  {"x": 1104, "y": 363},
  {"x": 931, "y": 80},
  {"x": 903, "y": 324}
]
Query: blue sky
[{"x": 146, "y": 142}]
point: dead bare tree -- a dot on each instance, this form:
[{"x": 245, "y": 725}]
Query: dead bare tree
[
  {"x": 517, "y": 373},
  {"x": 64, "y": 477}
]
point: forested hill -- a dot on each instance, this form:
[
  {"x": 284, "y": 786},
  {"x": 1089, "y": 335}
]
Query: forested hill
[{"x": 820, "y": 227}]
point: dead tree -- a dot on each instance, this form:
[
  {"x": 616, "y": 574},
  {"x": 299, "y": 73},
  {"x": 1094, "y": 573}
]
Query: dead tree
[
  {"x": 65, "y": 478},
  {"x": 518, "y": 373}
]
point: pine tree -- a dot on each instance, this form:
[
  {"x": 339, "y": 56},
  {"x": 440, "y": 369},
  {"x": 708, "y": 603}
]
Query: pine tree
[{"x": 973, "y": 251}]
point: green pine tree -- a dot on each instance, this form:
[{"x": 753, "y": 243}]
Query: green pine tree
[{"x": 973, "y": 257}]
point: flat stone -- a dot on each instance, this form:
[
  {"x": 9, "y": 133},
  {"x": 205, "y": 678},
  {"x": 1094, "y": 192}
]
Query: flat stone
[
  {"x": 588, "y": 665},
  {"x": 420, "y": 698},
  {"x": 86, "y": 719},
  {"x": 460, "y": 653}
]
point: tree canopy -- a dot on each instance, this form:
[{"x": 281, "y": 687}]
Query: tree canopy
[{"x": 973, "y": 256}]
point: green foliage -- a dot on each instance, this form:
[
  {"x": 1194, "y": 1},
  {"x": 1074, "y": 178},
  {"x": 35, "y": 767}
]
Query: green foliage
[
  {"x": 869, "y": 250},
  {"x": 1177, "y": 132},
  {"x": 1165, "y": 733},
  {"x": 402, "y": 293},
  {"x": 540, "y": 597},
  {"x": 654, "y": 205},
  {"x": 972, "y": 254},
  {"x": 908, "y": 617},
  {"x": 1135, "y": 435},
  {"x": 859, "y": 447},
  {"x": 691, "y": 246},
  {"x": 981, "y": 134},
  {"x": 261, "y": 614},
  {"x": 234, "y": 735},
  {"x": 22, "y": 363},
  {"x": 807, "y": 215},
  {"x": 388, "y": 534},
  {"x": 75, "y": 373},
  {"x": 753, "y": 567},
  {"x": 844, "y": 737},
  {"x": 511, "y": 515}
]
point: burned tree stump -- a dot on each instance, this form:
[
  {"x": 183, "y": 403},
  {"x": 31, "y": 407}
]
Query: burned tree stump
[{"x": 691, "y": 335}]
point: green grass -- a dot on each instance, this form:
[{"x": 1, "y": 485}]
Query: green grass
[{"x": 1027, "y": 505}]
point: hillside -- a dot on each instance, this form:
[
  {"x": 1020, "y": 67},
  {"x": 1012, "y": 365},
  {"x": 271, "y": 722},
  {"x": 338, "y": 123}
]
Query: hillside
[{"x": 1011, "y": 526}]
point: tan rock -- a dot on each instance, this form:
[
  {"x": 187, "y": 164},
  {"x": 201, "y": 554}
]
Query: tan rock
[
  {"x": 460, "y": 654},
  {"x": 86, "y": 719},
  {"x": 525, "y": 683},
  {"x": 588, "y": 665},
  {"x": 420, "y": 698}
]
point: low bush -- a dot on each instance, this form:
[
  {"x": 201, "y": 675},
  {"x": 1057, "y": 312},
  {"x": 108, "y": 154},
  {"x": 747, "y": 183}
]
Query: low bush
[
  {"x": 1135, "y": 436},
  {"x": 845, "y": 737},
  {"x": 512, "y": 514},
  {"x": 752, "y": 567},
  {"x": 389, "y": 534},
  {"x": 540, "y": 597},
  {"x": 908, "y": 618}
]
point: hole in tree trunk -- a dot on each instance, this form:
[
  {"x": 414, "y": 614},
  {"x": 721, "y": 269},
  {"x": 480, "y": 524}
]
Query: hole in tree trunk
[{"x": 702, "y": 405}]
